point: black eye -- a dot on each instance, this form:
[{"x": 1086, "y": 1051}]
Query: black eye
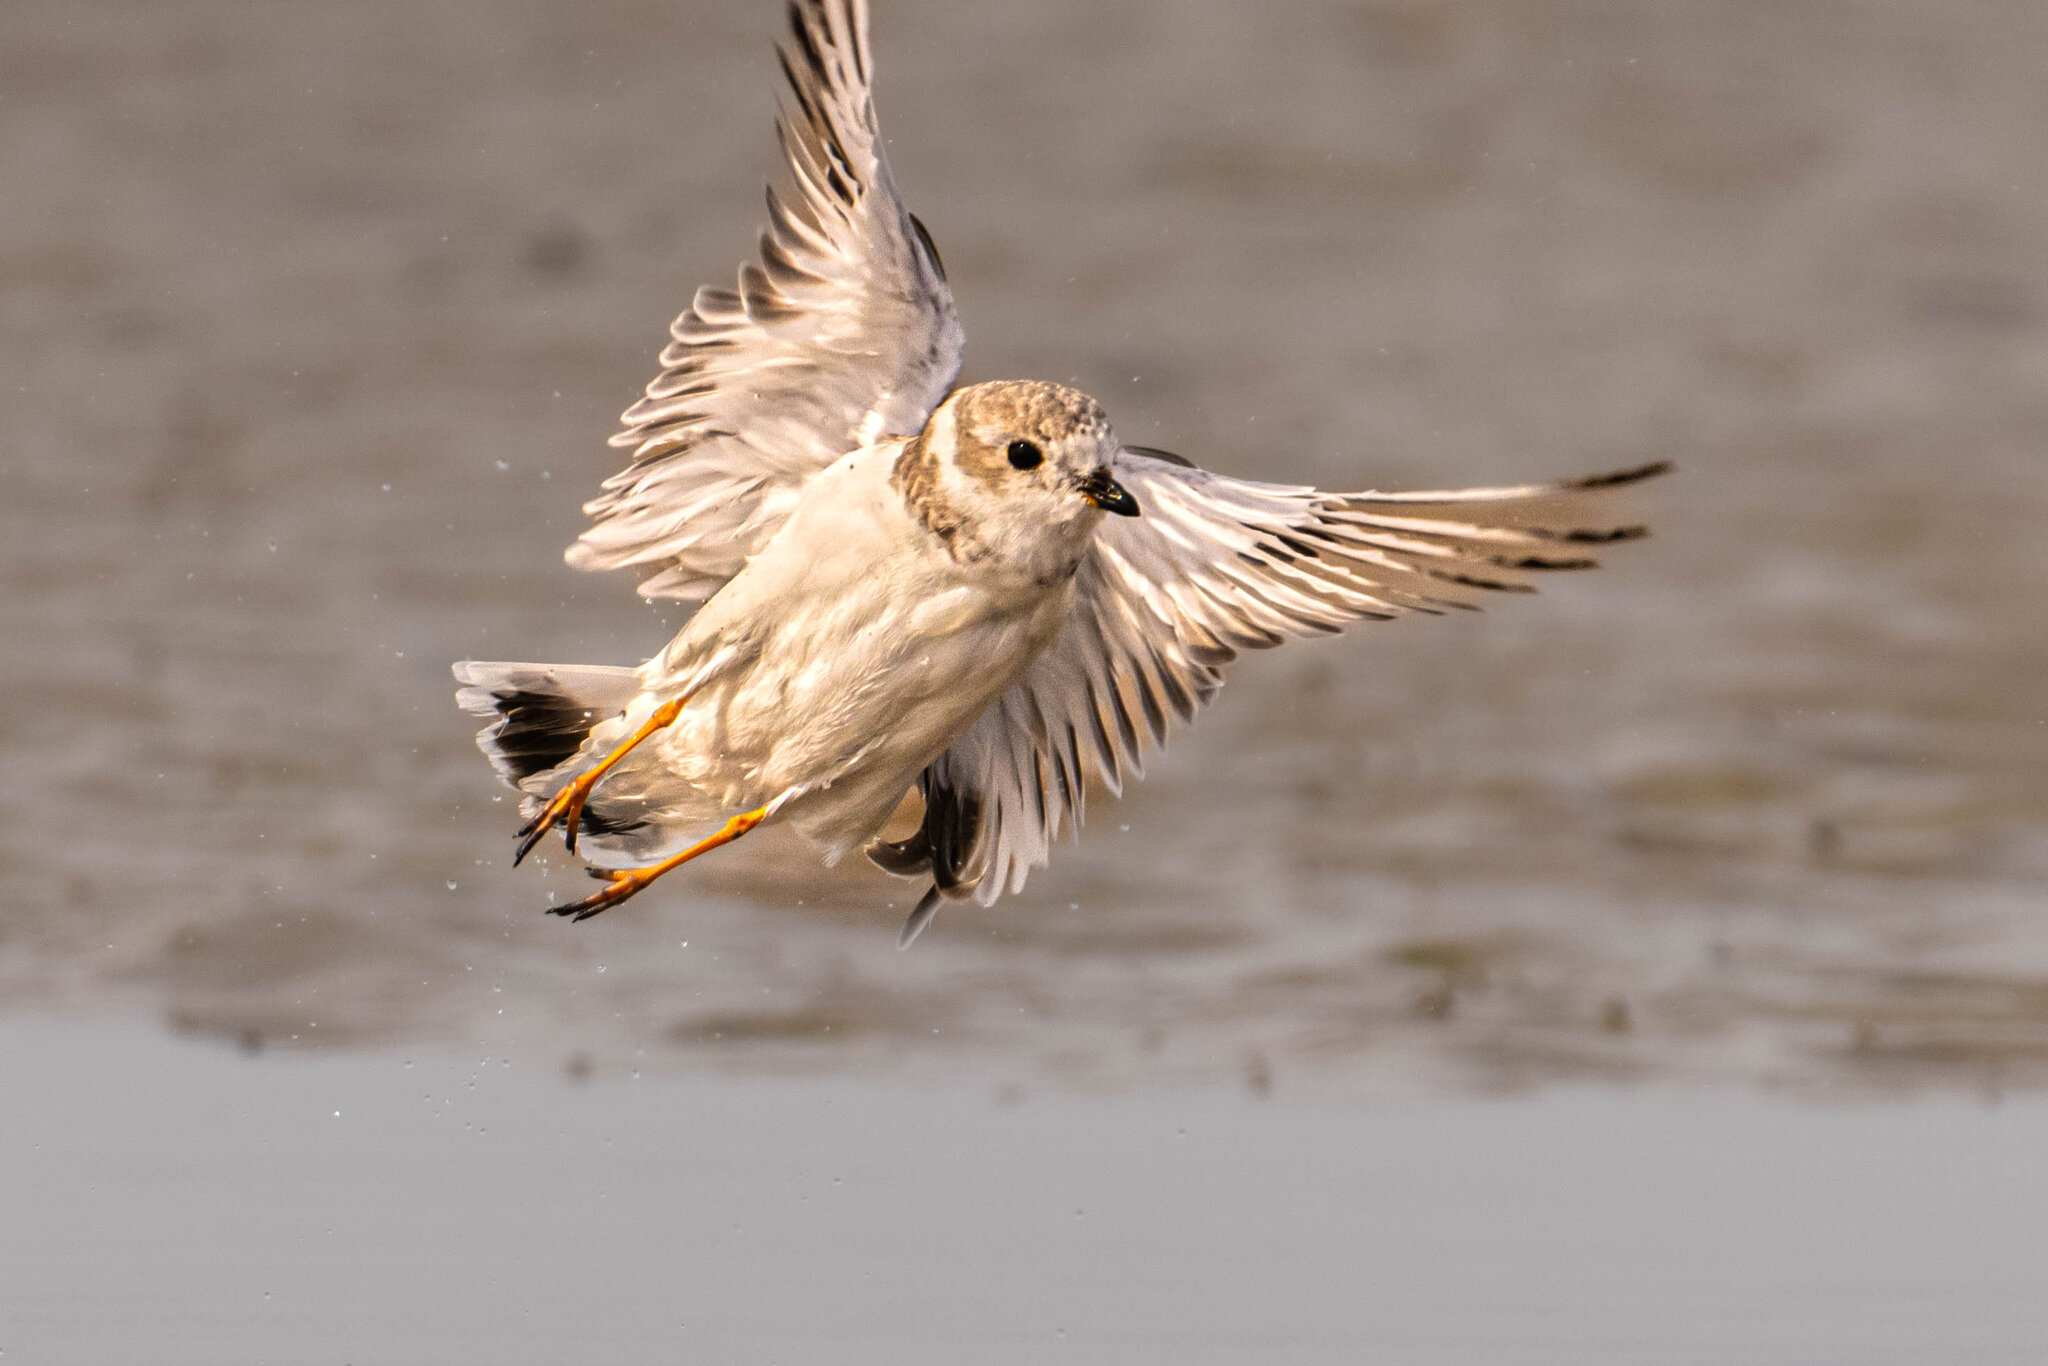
[{"x": 1025, "y": 456}]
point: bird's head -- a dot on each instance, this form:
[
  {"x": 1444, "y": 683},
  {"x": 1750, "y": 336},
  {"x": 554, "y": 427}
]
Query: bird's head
[{"x": 1016, "y": 470}]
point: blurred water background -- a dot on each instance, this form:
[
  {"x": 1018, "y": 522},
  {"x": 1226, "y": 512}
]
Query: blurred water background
[{"x": 314, "y": 318}]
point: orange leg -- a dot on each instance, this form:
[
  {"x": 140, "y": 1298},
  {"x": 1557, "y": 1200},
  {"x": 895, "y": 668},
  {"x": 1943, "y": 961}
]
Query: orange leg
[
  {"x": 621, "y": 883},
  {"x": 566, "y": 805}
]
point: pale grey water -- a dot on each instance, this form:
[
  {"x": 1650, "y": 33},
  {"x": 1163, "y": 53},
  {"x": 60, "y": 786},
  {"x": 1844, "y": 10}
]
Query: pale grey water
[
  {"x": 190, "y": 1206},
  {"x": 313, "y": 320}
]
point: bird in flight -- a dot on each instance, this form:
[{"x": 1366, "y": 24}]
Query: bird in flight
[{"x": 978, "y": 592}]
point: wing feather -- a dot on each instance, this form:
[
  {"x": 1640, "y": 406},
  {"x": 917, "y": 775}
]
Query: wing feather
[
  {"x": 843, "y": 331},
  {"x": 1214, "y": 566}
]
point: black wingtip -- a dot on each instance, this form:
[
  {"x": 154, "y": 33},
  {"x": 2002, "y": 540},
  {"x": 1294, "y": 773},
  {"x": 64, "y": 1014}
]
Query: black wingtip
[
  {"x": 800, "y": 28},
  {"x": 1611, "y": 535},
  {"x": 931, "y": 248},
  {"x": 1154, "y": 453},
  {"x": 1545, "y": 562},
  {"x": 921, "y": 916},
  {"x": 1619, "y": 477}
]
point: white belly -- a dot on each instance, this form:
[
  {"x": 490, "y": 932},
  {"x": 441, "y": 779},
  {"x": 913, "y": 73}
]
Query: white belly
[{"x": 863, "y": 662}]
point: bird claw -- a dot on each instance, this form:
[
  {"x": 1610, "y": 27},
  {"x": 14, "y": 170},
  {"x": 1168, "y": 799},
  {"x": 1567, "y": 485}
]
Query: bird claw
[
  {"x": 565, "y": 808},
  {"x": 620, "y": 883}
]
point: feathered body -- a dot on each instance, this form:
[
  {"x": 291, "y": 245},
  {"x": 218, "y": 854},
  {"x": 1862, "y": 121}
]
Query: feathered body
[
  {"x": 906, "y": 585},
  {"x": 913, "y": 582}
]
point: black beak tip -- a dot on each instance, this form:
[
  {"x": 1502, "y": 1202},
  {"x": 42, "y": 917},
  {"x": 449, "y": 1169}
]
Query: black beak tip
[{"x": 1103, "y": 491}]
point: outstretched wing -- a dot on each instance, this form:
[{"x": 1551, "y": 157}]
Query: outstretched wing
[
  {"x": 844, "y": 331},
  {"x": 1164, "y": 600}
]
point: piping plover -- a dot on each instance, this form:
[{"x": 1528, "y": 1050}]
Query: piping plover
[{"x": 978, "y": 593}]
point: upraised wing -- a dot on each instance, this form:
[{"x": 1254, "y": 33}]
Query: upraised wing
[
  {"x": 844, "y": 331},
  {"x": 1163, "y": 601}
]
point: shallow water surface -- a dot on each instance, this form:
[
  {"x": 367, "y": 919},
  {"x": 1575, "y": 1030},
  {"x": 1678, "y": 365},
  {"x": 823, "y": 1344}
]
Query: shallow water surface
[{"x": 173, "y": 1203}]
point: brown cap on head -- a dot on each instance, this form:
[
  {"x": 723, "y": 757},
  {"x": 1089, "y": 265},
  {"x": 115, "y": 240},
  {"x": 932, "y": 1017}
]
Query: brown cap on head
[{"x": 1031, "y": 408}]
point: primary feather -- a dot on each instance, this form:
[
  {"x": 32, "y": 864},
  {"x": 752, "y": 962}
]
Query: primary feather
[{"x": 841, "y": 333}]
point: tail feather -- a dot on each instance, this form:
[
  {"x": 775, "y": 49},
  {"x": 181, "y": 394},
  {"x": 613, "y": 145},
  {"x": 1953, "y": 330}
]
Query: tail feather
[{"x": 544, "y": 711}]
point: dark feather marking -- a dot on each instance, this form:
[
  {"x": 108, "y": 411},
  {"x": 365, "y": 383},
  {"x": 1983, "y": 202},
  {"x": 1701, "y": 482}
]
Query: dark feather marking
[
  {"x": 1120, "y": 711},
  {"x": 1078, "y": 793},
  {"x": 1474, "y": 581},
  {"x": 1169, "y": 457},
  {"x": 813, "y": 58},
  {"x": 1101, "y": 729},
  {"x": 1176, "y": 692},
  {"x": 539, "y": 731},
  {"x": 931, "y": 249},
  {"x": 1155, "y": 718},
  {"x": 1608, "y": 481},
  {"x": 595, "y": 822},
  {"x": 796, "y": 89},
  {"x": 1058, "y": 761},
  {"x": 838, "y": 169},
  {"x": 952, "y": 827},
  {"x": 1540, "y": 562}
]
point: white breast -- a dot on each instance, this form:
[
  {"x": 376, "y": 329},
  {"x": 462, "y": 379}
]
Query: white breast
[{"x": 867, "y": 651}]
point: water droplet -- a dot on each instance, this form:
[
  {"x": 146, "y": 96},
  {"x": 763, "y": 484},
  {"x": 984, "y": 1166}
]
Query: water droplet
[{"x": 451, "y": 884}]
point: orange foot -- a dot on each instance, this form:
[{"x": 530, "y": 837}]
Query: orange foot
[
  {"x": 566, "y": 806},
  {"x": 622, "y": 883}
]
